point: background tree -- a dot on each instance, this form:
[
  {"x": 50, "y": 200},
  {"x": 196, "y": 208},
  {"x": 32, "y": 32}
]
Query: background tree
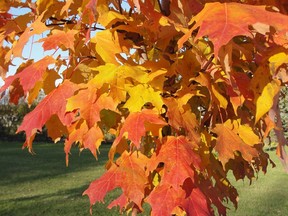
[
  {"x": 11, "y": 116},
  {"x": 284, "y": 109},
  {"x": 189, "y": 88}
]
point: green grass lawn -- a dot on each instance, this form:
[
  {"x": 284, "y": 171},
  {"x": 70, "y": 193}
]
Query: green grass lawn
[{"x": 41, "y": 184}]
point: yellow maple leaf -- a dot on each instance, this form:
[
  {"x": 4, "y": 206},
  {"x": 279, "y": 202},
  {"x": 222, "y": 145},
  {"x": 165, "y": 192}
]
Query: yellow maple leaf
[
  {"x": 276, "y": 61},
  {"x": 265, "y": 100},
  {"x": 245, "y": 132},
  {"x": 140, "y": 95},
  {"x": 113, "y": 74},
  {"x": 105, "y": 39}
]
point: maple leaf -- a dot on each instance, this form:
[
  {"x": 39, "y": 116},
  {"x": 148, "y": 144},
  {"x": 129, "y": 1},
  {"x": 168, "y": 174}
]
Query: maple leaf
[
  {"x": 265, "y": 88},
  {"x": 178, "y": 155},
  {"x": 77, "y": 131},
  {"x": 15, "y": 92},
  {"x": 109, "y": 39},
  {"x": 232, "y": 19},
  {"x": 265, "y": 100},
  {"x": 215, "y": 92},
  {"x": 58, "y": 38},
  {"x": 176, "y": 109},
  {"x": 54, "y": 103},
  {"x": 90, "y": 104},
  {"x": 92, "y": 6},
  {"x": 89, "y": 138},
  {"x": 98, "y": 189},
  {"x": 191, "y": 7},
  {"x": 66, "y": 7},
  {"x": 55, "y": 128},
  {"x": 128, "y": 173},
  {"x": 37, "y": 27},
  {"x": 108, "y": 17},
  {"x": 136, "y": 102},
  {"x": 93, "y": 138},
  {"x": 196, "y": 204},
  {"x": 181, "y": 117},
  {"x": 43, "y": 5},
  {"x": 243, "y": 82},
  {"x": 3, "y": 67},
  {"x": 121, "y": 201},
  {"x": 229, "y": 140},
  {"x": 276, "y": 62},
  {"x": 30, "y": 75},
  {"x": 49, "y": 80},
  {"x": 115, "y": 74},
  {"x": 136, "y": 125},
  {"x": 164, "y": 199},
  {"x": 4, "y": 17}
]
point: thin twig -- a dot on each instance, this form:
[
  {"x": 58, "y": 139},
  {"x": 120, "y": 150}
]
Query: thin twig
[
  {"x": 207, "y": 63},
  {"x": 120, "y": 8}
]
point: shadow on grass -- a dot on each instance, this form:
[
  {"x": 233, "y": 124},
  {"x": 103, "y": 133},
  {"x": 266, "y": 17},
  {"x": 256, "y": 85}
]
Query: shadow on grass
[
  {"x": 17, "y": 165},
  {"x": 268, "y": 195},
  {"x": 41, "y": 184},
  {"x": 63, "y": 202}
]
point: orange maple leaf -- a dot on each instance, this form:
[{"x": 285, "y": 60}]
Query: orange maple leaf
[
  {"x": 222, "y": 22},
  {"x": 58, "y": 38},
  {"x": 229, "y": 141},
  {"x": 90, "y": 103},
  {"x": 89, "y": 138}
]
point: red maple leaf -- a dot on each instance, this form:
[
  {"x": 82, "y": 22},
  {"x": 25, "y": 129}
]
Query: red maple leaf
[
  {"x": 163, "y": 199},
  {"x": 196, "y": 204},
  {"x": 178, "y": 156},
  {"x": 136, "y": 126},
  {"x": 53, "y": 103},
  {"x": 128, "y": 173},
  {"x": 30, "y": 75}
]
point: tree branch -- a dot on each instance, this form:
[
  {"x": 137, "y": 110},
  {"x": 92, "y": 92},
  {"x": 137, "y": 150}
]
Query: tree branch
[
  {"x": 120, "y": 8},
  {"x": 274, "y": 114}
]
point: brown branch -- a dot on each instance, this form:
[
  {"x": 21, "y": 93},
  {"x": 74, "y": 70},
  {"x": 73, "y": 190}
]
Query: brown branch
[
  {"x": 164, "y": 6},
  {"x": 55, "y": 24},
  {"x": 207, "y": 63},
  {"x": 120, "y": 8},
  {"x": 130, "y": 12},
  {"x": 63, "y": 23},
  {"x": 95, "y": 28}
]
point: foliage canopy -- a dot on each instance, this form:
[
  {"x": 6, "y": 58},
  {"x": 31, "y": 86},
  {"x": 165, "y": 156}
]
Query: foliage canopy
[{"x": 189, "y": 88}]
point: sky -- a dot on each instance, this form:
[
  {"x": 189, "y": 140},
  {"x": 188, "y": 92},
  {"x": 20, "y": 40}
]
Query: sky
[{"x": 32, "y": 50}]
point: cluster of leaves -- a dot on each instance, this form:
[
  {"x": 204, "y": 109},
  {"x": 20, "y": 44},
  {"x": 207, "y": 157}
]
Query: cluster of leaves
[{"x": 188, "y": 87}]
